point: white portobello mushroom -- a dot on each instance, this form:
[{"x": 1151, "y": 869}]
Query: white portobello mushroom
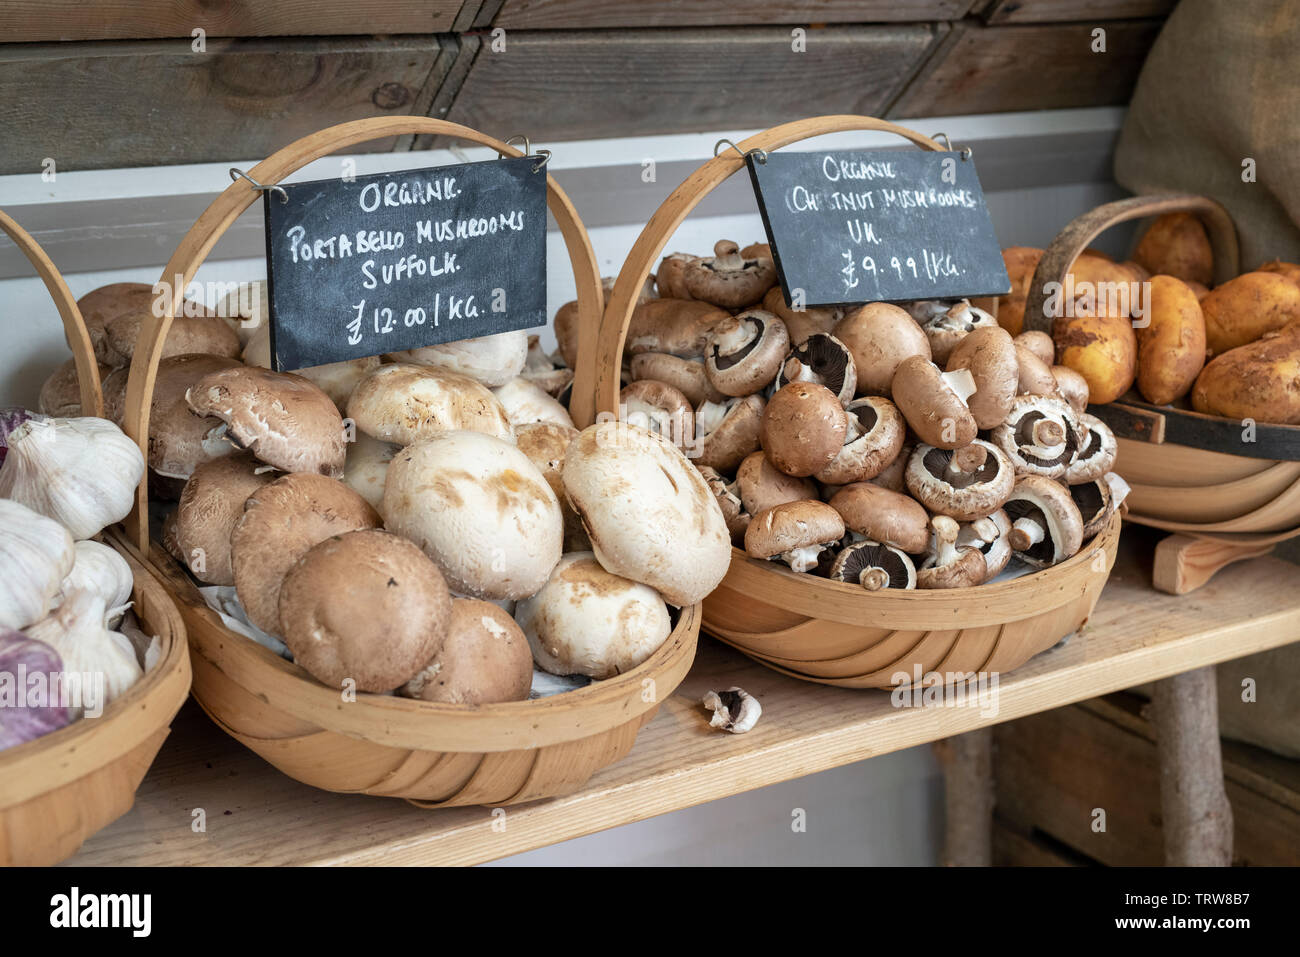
[{"x": 491, "y": 360}]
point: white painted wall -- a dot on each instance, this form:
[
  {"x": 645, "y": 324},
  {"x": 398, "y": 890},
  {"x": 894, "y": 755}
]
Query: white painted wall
[{"x": 884, "y": 811}]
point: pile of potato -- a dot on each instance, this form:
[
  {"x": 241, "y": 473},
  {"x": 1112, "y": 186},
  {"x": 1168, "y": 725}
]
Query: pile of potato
[{"x": 1232, "y": 350}]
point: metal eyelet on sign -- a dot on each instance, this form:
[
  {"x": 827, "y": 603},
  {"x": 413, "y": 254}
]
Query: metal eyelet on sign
[
  {"x": 760, "y": 155},
  {"x": 237, "y": 174},
  {"x": 966, "y": 151},
  {"x": 542, "y": 156}
]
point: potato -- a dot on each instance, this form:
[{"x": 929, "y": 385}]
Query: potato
[
  {"x": 1176, "y": 245},
  {"x": 1255, "y": 381},
  {"x": 1021, "y": 261},
  {"x": 1283, "y": 268},
  {"x": 1171, "y": 348},
  {"x": 1102, "y": 349},
  {"x": 1243, "y": 309}
]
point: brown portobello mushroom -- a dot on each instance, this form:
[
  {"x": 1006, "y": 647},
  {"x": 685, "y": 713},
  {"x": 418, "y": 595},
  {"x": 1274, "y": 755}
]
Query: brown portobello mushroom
[
  {"x": 949, "y": 564},
  {"x": 883, "y": 516},
  {"x": 762, "y": 485},
  {"x": 934, "y": 402},
  {"x": 795, "y": 533},
  {"x": 880, "y": 336},
  {"x": 965, "y": 483},
  {"x": 745, "y": 352},
  {"x": 484, "y": 659},
  {"x": 803, "y": 428},
  {"x": 824, "y": 360},
  {"x": 872, "y": 440},
  {"x": 727, "y": 279}
]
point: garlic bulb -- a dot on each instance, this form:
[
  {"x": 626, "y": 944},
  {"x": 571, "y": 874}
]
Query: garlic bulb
[
  {"x": 104, "y": 660},
  {"x": 27, "y": 712},
  {"x": 36, "y": 553},
  {"x": 102, "y": 570},
  {"x": 81, "y": 472}
]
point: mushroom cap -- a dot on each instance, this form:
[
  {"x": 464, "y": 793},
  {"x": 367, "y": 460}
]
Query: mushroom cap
[
  {"x": 1096, "y": 502},
  {"x": 484, "y": 659},
  {"x": 480, "y": 509},
  {"x": 103, "y": 304},
  {"x": 745, "y": 352},
  {"x": 280, "y": 417},
  {"x": 733, "y": 511},
  {"x": 180, "y": 439},
  {"x": 1072, "y": 387},
  {"x": 801, "y": 323},
  {"x": 546, "y": 446},
  {"x": 727, "y": 444},
  {"x": 492, "y": 360},
  {"x": 660, "y": 408},
  {"x": 670, "y": 276},
  {"x": 282, "y": 520},
  {"x": 880, "y": 336},
  {"x": 367, "y": 467},
  {"x": 949, "y": 324},
  {"x": 1039, "y": 344},
  {"x": 1096, "y": 454},
  {"x": 995, "y": 548},
  {"x": 1040, "y": 436},
  {"x": 727, "y": 279},
  {"x": 526, "y": 402},
  {"x": 872, "y": 441},
  {"x": 679, "y": 327},
  {"x": 648, "y": 512},
  {"x": 958, "y": 483},
  {"x": 1048, "y": 504},
  {"x": 338, "y": 379},
  {"x": 247, "y": 309},
  {"x": 883, "y": 516},
  {"x": 762, "y": 485},
  {"x": 784, "y": 528},
  {"x": 966, "y": 570},
  {"x": 587, "y": 621},
  {"x": 822, "y": 359},
  {"x": 1035, "y": 375},
  {"x": 211, "y": 504},
  {"x": 60, "y": 394},
  {"x": 687, "y": 376},
  {"x": 406, "y": 404},
  {"x": 188, "y": 334},
  {"x": 990, "y": 355},
  {"x": 936, "y": 413},
  {"x": 803, "y": 428},
  {"x": 366, "y": 605},
  {"x": 874, "y": 565}
]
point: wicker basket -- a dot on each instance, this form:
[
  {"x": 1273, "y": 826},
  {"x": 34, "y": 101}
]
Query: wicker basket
[
  {"x": 432, "y": 754},
  {"x": 826, "y": 631},
  {"x": 61, "y": 788},
  {"x": 1190, "y": 473}
]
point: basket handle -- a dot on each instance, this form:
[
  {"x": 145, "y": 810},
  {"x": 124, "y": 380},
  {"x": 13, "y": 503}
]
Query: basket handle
[
  {"x": 226, "y": 208},
  {"x": 596, "y": 385},
  {"x": 1079, "y": 232},
  {"x": 74, "y": 326}
]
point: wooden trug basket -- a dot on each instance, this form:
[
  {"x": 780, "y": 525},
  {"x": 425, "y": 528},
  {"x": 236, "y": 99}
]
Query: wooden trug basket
[
  {"x": 435, "y": 755},
  {"x": 59, "y": 789},
  {"x": 831, "y": 632},
  {"x": 1190, "y": 473}
]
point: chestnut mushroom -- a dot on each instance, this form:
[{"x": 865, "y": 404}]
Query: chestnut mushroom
[
  {"x": 934, "y": 402},
  {"x": 1096, "y": 454},
  {"x": 950, "y": 565},
  {"x": 688, "y": 376},
  {"x": 727, "y": 279},
  {"x": 803, "y": 428},
  {"x": 989, "y": 535},
  {"x": 1040, "y": 436},
  {"x": 824, "y": 360},
  {"x": 1035, "y": 375},
  {"x": 679, "y": 327},
  {"x": 872, "y": 440},
  {"x": 733, "y": 510},
  {"x": 795, "y": 533},
  {"x": 1072, "y": 387},
  {"x": 965, "y": 484},
  {"x": 946, "y": 324},
  {"x": 883, "y": 516},
  {"x": 762, "y": 485},
  {"x": 800, "y": 323},
  {"x": 874, "y": 565},
  {"x": 1096, "y": 502},
  {"x": 744, "y": 352},
  {"x": 660, "y": 408},
  {"x": 880, "y": 336},
  {"x": 1039, "y": 344},
  {"x": 1046, "y": 525},
  {"x": 726, "y": 432},
  {"x": 990, "y": 356},
  {"x": 670, "y": 276}
]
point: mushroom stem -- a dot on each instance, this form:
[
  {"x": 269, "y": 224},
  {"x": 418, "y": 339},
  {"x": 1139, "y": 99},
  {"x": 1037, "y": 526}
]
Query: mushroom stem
[
  {"x": 1048, "y": 433},
  {"x": 1025, "y": 533},
  {"x": 985, "y": 528},
  {"x": 802, "y": 559},
  {"x": 970, "y": 458},
  {"x": 710, "y": 415},
  {"x": 726, "y": 256},
  {"x": 874, "y": 579},
  {"x": 945, "y": 538},
  {"x": 961, "y": 382},
  {"x": 732, "y": 335}
]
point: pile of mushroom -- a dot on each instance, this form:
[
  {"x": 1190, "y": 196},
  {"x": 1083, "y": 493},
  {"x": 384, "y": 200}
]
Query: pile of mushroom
[
  {"x": 427, "y": 523},
  {"x": 884, "y": 446}
]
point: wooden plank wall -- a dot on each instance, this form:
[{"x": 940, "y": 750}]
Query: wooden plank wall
[{"x": 107, "y": 83}]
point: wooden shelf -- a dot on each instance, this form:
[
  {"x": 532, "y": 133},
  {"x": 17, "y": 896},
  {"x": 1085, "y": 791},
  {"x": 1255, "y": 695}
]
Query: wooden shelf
[{"x": 255, "y": 815}]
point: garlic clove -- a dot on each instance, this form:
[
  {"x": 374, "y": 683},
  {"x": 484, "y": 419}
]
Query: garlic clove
[
  {"x": 36, "y": 554},
  {"x": 102, "y": 570}
]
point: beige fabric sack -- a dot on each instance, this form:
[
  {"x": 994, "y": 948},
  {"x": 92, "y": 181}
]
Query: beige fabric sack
[{"x": 1220, "y": 86}]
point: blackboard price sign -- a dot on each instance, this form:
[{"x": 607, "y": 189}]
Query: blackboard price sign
[
  {"x": 870, "y": 226},
  {"x": 394, "y": 261}
]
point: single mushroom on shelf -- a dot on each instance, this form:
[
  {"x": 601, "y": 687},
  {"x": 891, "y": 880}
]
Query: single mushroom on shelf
[
  {"x": 728, "y": 279},
  {"x": 934, "y": 402},
  {"x": 744, "y": 352},
  {"x": 734, "y": 710},
  {"x": 1040, "y": 436},
  {"x": 794, "y": 533},
  {"x": 728, "y": 496},
  {"x": 950, "y": 565},
  {"x": 880, "y": 336},
  {"x": 1096, "y": 454},
  {"x": 688, "y": 376},
  {"x": 801, "y": 323},
  {"x": 824, "y": 360},
  {"x": 989, "y": 535},
  {"x": 803, "y": 428},
  {"x": 1046, "y": 525},
  {"x": 883, "y": 516},
  {"x": 965, "y": 484},
  {"x": 762, "y": 485},
  {"x": 728, "y": 431},
  {"x": 660, "y": 408},
  {"x": 945, "y": 324},
  {"x": 874, "y": 566},
  {"x": 872, "y": 440},
  {"x": 991, "y": 358}
]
